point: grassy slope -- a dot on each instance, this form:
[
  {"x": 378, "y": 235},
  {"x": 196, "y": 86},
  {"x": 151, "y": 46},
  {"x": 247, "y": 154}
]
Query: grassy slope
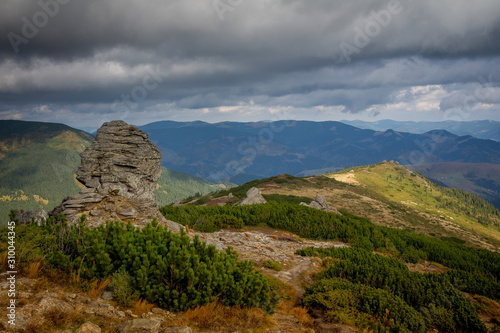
[
  {"x": 40, "y": 174},
  {"x": 391, "y": 195},
  {"x": 482, "y": 179},
  {"x": 174, "y": 185},
  {"x": 400, "y": 186}
]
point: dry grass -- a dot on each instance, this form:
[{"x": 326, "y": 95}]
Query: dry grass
[
  {"x": 142, "y": 306},
  {"x": 98, "y": 287},
  {"x": 42, "y": 283},
  {"x": 75, "y": 276},
  {"x": 302, "y": 316},
  {"x": 3, "y": 260},
  {"x": 216, "y": 316},
  {"x": 490, "y": 307},
  {"x": 58, "y": 318},
  {"x": 34, "y": 269}
]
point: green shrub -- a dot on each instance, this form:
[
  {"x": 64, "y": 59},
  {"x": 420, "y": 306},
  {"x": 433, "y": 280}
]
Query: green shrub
[
  {"x": 123, "y": 291},
  {"x": 164, "y": 268},
  {"x": 376, "y": 283},
  {"x": 272, "y": 264}
]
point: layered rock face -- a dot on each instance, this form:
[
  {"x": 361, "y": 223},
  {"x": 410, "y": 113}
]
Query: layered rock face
[
  {"x": 122, "y": 159},
  {"x": 119, "y": 173}
]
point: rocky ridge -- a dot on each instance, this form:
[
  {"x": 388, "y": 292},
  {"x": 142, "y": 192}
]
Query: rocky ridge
[{"x": 119, "y": 173}]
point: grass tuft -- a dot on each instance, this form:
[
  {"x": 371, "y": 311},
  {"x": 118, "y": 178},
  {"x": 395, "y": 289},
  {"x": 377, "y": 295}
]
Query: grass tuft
[
  {"x": 98, "y": 287},
  {"x": 142, "y": 306}
]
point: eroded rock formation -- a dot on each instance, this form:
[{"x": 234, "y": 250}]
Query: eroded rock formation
[
  {"x": 321, "y": 204},
  {"x": 119, "y": 172}
]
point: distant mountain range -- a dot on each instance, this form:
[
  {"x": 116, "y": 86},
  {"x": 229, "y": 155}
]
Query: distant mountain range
[
  {"x": 482, "y": 129},
  {"x": 38, "y": 162},
  {"x": 240, "y": 152}
]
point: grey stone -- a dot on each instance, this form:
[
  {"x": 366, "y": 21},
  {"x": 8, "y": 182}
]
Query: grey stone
[
  {"x": 95, "y": 212},
  {"x": 88, "y": 327},
  {"x": 321, "y": 204},
  {"x": 129, "y": 213},
  {"x": 119, "y": 170},
  {"x": 253, "y": 197},
  {"x": 121, "y": 153},
  {"x": 29, "y": 216},
  {"x": 183, "y": 329},
  {"x": 107, "y": 296},
  {"x": 48, "y": 303},
  {"x": 321, "y": 200},
  {"x": 140, "y": 326}
]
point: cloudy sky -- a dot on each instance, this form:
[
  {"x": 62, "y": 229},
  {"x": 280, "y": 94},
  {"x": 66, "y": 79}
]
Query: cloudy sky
[{"x": 86, "y": 62}]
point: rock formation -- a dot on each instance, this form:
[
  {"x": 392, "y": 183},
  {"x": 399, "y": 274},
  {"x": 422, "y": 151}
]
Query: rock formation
[
  {"x": 321, "y": 204},
  {"x": 29, "y": 216},
  {"x": 253, "y": 197},
  {"x": 119, "y": 172}
]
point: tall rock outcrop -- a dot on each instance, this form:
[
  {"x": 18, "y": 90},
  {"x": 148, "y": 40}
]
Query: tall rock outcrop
[{"x": 119, "y": 172}]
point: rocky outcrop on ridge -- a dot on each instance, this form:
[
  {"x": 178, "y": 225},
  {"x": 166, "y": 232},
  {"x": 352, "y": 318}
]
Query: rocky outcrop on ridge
[
  {"x": 119, "y": 172},
  {"x": 29, "y": 216},
  {"x": 321, "y": 204},
  {"x": 254, "y": 197}
]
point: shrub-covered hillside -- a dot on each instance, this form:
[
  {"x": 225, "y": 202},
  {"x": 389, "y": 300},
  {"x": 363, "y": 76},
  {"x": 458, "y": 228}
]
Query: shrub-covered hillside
[{"x": 376, "y": 291}]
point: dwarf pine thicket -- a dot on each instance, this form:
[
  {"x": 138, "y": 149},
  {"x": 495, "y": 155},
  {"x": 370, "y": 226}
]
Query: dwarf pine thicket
[
  {"x": 368, "y": 289},
  {"x": 359, "y": 287},
  {"x": 164, "y": 268}
]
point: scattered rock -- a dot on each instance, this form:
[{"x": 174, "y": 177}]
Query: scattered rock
[
  {"x": 183, "y": 329},
  {"x": 321, "y": 204},
  {"x": 88, "y": 327},
  {"x": 49, "y": 303},
  {"x": 160, "y": 311},
  {"x": 140, "y": 326},
  {"x": 107, "y": 296},
  {"x": 254, "y": 196}
]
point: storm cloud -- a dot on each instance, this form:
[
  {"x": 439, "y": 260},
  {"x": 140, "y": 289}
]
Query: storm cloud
[{"x": 85, "y": 62}]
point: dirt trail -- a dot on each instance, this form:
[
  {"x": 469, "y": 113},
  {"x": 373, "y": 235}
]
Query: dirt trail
[{"x": 261, "y": 244}]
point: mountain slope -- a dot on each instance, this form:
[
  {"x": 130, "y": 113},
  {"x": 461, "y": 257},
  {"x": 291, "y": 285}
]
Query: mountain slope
[
  {"x": 481, "y": 179},
  {"x": 482, "y": 129},
  {"x": 38, "y": 162},
  {"x": 224, "y": 150},
  {"x": 392, "y": 195}
]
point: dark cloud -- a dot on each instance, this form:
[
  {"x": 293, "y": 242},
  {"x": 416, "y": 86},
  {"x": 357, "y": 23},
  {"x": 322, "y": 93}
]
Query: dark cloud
[{"x": 348, "y": 55}]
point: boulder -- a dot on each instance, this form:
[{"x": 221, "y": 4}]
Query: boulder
[
  {"x": 254, "y": 196},
  {"x": 88, "y": 327},
  {"x": 119, "y": 172},
  {"x": 321, "y": 204}
]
